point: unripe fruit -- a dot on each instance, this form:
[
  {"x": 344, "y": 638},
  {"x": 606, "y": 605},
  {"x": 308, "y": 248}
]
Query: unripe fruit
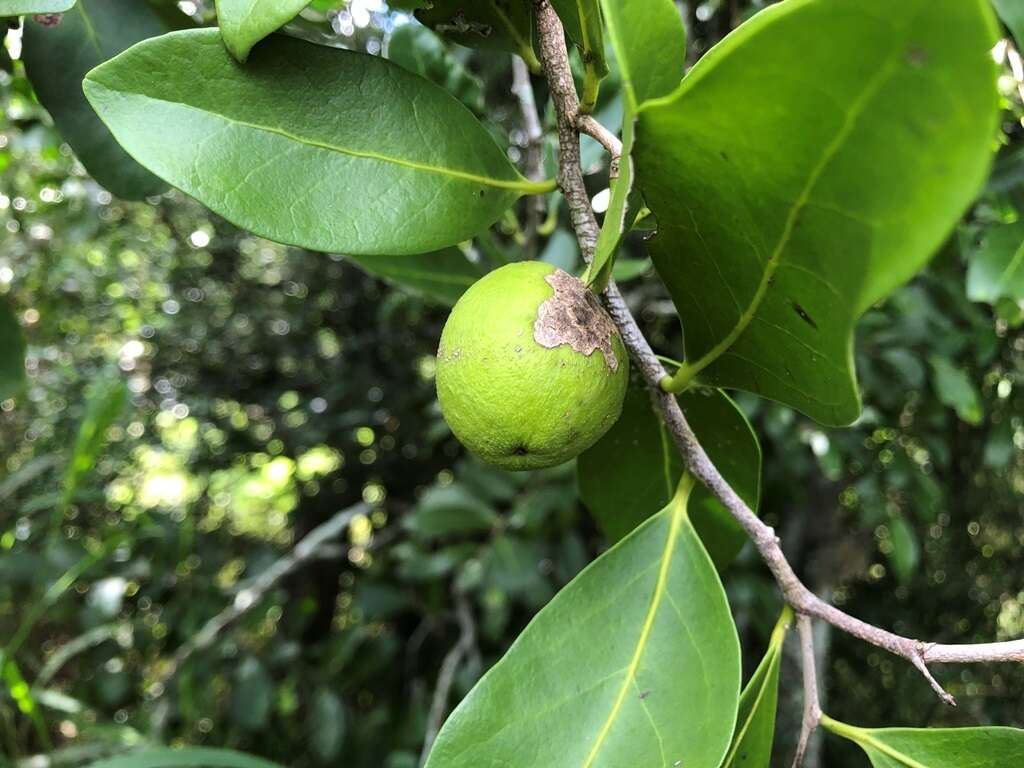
[{"x": 531, "y": 371}]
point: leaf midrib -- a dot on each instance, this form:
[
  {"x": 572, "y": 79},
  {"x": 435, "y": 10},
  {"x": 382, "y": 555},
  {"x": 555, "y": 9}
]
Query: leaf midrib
[
  {"x": 678, "y": 512},
  {"x": 863, "y": 738},
  {"x": 90, "y": 29},
  {"x": 850, "y": 120},
  {"x": 522, "y": 186}
]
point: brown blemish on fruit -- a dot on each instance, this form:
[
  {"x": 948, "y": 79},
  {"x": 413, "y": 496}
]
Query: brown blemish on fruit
[{"x": 574, "y": 316}]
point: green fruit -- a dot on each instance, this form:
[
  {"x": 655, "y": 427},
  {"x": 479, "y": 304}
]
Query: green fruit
[{"x": 531, "y": 371}]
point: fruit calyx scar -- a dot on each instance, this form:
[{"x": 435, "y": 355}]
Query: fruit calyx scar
[{"x": 574, "y": 316}]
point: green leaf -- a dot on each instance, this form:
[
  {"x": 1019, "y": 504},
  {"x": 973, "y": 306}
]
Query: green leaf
[
  {"x": 318, "y": 147},
  {"x": 191, "y": 757},
  {"x": 442, "y": 275},
  {"x": 996, "y": 268},
  {"x": 251, "y": 695},
  {"x": 645, "y": 34},
  {"x": 12, "y": 353},
  {"x": 105, "y": 400},
  {"x": 935, "y": 747},
  {"x": 419, "y": 50},
  {"x": 326, "y": 725},
  {"x": 26, "y": 7},
  {"x": 585, "y": 27},
  {"x": 494, "y": 25},
  {"x": 787, "y": 208},
  {"x": 243, "y": 23},
  {"x": 630, "y": 269},
  {"x": 615, "y": 670},
  {"x": 89, "y": 34},
  {"x": 755, "y": 724},
  {"x": 906, "y": 552},
  {"x": 955, "y": 389},
  {"x": 636, "y": 467},
  {"x": 649, "y": 40},
  {"x": 448, "y": 510},
  {"x": 1012, "y": 13}
]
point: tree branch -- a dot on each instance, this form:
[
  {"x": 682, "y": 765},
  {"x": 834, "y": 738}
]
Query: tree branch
[
  {"x": 248, "y": 598},
  {"x": 812, "y": 705},
  {"x": 522, "y": 89},
  {"x": 446, "y": 676},
  {"x": 554, "y": 58},
  {"x": 588, "y": 124}
]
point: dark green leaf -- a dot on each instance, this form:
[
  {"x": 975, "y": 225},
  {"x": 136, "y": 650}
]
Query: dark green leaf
[
  {"x": 935, "y": 747},
  {"x": 326, "y": 725},
  {"x": 786, "y": 209},
  {"x": 955, "y": 389},
  {"x": 57, "y": 58},
  {"x": 191, "y": 757},
  {"x": 105, "y": 400},
  {"x": 284, "y": 148},
  {"x": 755, "y": 725},
  {"x": 614, "y": 671},
  {"x": 442, "y": 275},
  {"x": 450, "y": 509},
  {"x": 243, "y": 23},
  {"x": 585, "y": 27},
  {"x": 419, "y": 50},
  {"x": 650, "y": 45},
  {"x": 12, "y": 353},
  {"x": 635, "y": 468},
  {"x": 996, "y": 269},
  {"x": 497, "y": 25},
  {"x": 26, "y": 7}
]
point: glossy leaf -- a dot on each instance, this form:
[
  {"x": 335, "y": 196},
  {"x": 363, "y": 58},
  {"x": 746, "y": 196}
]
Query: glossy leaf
[
  {"x": 442, "y": 275},
  {"x": 243, "y": 23},
  {"x": 1012, "y": 14},
  {"x": 635, "y": 468},
  {"x": 389, "y": 165},
  {"x": 190, "y": 757},
  {"x": 650, "y": 46},
  {"x": 26, "y": 7},
  {"x": 809, "y": 164},
  {"x": 496, "y": 25},
  {"x": 105, "y": 400},
  {"x": 755, "y": 725},
  {"x": 89, "y": 34},
  {"x": 935, "y": 747},
  {"x": 996, "y": 269},
  {"x": 12, "y": 353},
  {"x": 615, "y": 670}
]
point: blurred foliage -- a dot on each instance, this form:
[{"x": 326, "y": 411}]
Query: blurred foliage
[{"x": 265, "y": 389}]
